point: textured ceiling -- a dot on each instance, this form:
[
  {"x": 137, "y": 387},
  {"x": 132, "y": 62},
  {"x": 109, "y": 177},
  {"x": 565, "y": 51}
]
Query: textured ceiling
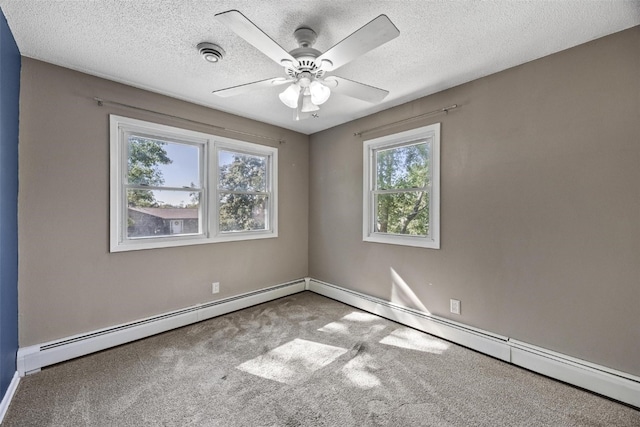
[{"x": 152, "y": 44}]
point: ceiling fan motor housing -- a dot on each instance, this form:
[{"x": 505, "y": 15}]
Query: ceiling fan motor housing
[
  {"x": 305, "y": 54},
  {"x": 306, "y": 57}
]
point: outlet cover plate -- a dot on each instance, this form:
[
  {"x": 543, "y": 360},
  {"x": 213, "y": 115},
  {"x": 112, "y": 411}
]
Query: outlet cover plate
[{"x": 454, "y": 306}]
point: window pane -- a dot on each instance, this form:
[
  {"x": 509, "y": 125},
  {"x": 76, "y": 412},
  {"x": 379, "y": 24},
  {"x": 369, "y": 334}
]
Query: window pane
[
  {"x": 243, "y": 212},
  {"x": 403, "y": 167},
  {"x": 160, "y": 163},
  {"x": 402, "y": 213},
  {"x": 162, "y": 213},
  {"x": 242, "y": 172}
]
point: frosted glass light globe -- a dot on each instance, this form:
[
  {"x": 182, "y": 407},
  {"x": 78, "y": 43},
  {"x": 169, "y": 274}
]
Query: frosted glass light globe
[
  {"x": 319, "y": 92},
  {"x": 289, "y": 96}
]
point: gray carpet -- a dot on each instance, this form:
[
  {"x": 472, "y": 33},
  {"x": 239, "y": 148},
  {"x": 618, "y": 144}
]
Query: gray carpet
[{"x": 303, "y": 360}]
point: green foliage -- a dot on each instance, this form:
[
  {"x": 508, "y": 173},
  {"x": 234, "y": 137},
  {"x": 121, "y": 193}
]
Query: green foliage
[
  {"x": 240, "y": 207},
  {"x": 403, "y": 168},
  {"x": 145, "y": 156}
]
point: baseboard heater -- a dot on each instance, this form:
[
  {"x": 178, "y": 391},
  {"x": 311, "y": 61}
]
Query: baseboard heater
[
  {"x": 590, "y": 376},
  {"x": 483, "y": 341},
  {"x": 599, "y": 379},
  {"x": 33, "y": 358}
]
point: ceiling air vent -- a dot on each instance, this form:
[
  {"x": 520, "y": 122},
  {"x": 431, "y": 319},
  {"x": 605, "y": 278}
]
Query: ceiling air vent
[{"x": 210, "y": 52}]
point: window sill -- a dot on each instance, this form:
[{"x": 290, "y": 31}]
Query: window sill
[
  {"x": 396, "y": 239},
  {"x": 159, "y": 243}
]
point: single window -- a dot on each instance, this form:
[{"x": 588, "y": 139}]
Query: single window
[
  {"x": 401, "y": 203},
  {"x": 245, "y": 196},
  {"x": 166, "y": 190}
]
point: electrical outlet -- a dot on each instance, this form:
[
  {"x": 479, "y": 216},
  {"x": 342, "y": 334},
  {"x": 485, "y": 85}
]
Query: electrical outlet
[
  {"x": 454, "y": 306},
  {"x": 215, "y": 287}
]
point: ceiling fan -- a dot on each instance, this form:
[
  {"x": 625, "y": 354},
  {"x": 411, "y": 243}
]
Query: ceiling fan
[{"x": 306, "y": 68}]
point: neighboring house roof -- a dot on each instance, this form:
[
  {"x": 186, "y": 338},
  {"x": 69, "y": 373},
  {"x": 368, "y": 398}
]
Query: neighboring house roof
[{"x": 169, "y": 213}]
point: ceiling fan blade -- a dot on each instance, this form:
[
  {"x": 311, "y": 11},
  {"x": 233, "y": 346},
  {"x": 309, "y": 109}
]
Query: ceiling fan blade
[
  {"x": 355, "y": 90},
  {"x": 246, "y": 29},
  {"x": 375, "y": 33},
  {"x": 262, "y": 84}
]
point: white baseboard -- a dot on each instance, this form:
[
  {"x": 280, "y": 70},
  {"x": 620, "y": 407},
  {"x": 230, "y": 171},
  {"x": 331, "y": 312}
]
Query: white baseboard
[
  {"x": 33, "y": 358},
  {"x": 8, "y": 395},
  {"x": 599, "y": 379}
]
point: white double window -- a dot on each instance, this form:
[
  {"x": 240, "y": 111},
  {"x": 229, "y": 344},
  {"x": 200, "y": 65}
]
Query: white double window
[
  {"x": 401, "y": 202},
  {"x": 175, "y": 187}
]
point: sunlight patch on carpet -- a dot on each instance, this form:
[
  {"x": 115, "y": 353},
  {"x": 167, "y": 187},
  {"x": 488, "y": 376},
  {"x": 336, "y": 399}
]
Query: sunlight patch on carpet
[
  {"x": 292, "y": 362},
  {"x": 354, "y": 323},
  {"x": 359, "y": 372},
  {"x": 414, "y": 340},
  {"x": 357, "y": 316}
]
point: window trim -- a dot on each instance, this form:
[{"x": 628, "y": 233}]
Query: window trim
[
  {"x": 208, "y": 227},
  {"x": 405, "y": 138}
]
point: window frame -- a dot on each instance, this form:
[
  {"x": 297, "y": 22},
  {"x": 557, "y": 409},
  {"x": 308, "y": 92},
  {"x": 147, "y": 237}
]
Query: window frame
[
  {"x": 431, "y": 133},
  {"x": 209, "y": 145}
]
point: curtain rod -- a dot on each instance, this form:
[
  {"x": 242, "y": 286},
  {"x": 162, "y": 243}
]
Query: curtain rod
[
  {"x": 399, "y": 122},
  {"x": 102, "y": 102}
]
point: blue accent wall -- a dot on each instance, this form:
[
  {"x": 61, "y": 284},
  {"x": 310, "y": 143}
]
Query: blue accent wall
[{"x": 9, "y": 108}]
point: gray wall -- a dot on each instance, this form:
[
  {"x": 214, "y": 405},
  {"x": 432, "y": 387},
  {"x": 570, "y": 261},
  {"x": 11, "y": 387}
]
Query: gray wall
[
  {"x": 69, "y": 283},
  {"x": 540, "y": 205}
]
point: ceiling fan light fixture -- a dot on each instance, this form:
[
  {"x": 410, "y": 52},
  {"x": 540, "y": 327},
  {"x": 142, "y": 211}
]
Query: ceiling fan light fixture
[
  {"x": 319, "y": 92},
  {"x": 307, "y": 105},
  {"x": 306, "y": 66},
  {"x": 289, "y": 96}
]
